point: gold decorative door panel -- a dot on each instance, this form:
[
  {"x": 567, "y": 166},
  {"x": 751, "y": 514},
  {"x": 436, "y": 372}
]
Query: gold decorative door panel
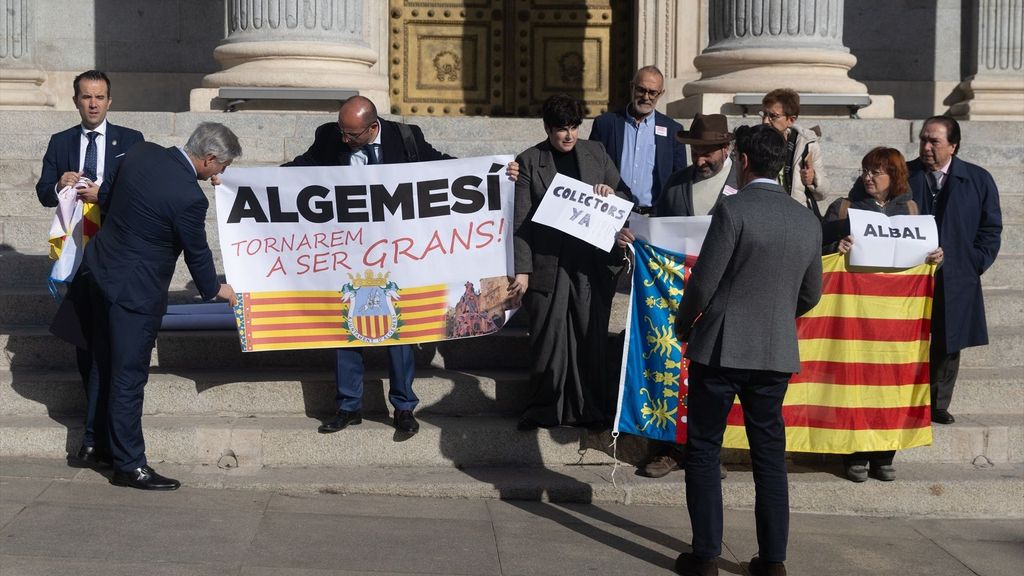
[{"x": 505, "y": 57}]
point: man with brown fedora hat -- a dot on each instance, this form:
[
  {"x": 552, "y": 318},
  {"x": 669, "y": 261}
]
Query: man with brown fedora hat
[{"x": 696, "y": 189}]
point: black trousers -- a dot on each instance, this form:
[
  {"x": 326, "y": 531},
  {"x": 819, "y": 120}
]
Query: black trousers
[
  {"x": 711, "y": 394},
  {"x": 944, "y": 366},
  {"x": 122, "y": 342},
  {"x": 882, "y": 458}
]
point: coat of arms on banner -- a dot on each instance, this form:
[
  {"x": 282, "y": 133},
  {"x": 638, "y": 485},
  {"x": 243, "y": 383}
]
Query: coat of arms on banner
[{"x": 372, "y": 316}]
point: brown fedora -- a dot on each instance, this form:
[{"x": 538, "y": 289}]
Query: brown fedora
[{"x": 706, "y": 130}]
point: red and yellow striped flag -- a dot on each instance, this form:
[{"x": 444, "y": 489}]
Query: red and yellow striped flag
[
  {"x": 319, "y": 319},
  {"x": 863, "y": 381}
]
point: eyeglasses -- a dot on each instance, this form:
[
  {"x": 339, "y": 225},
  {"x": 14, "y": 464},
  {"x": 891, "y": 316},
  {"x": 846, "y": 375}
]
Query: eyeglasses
[
  {"x": 873, "y": 173},
  {"x": 769, "y": 115},
  {"x": 356, "y": 136},
  {"x": 641, "y": 91}
]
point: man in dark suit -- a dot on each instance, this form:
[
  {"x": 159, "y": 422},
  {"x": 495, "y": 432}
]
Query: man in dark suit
[
  {"x": 965, "y": 202},
  {"x": 157, "y": 211},
  {"x": 360, "y": 137},
  {"x": 758, "y": 270},
  {"x": 641, "y": 141},
  {"x": 85, "y": 154}
]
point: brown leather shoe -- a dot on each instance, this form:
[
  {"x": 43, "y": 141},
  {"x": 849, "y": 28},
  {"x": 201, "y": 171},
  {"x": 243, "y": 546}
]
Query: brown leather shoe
[
  {"x": 759, "y": 567},
  {"x": 689, "y": 565},
  {"x": 658, "y": 466}
]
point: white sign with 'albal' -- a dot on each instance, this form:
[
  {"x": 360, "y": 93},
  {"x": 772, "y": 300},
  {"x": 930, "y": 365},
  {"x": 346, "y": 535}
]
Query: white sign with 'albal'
[{"x": 891, "y": 241}]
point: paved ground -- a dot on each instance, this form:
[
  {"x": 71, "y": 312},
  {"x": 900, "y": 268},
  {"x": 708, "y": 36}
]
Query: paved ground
[{"x": 53, "y": 521}]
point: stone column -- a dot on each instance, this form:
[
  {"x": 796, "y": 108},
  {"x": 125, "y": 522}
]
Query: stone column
[
  {"x": 669, "y": 35},
  {"x": 302, "y": 44},
  {"x": 21, "y": 80},
  {"x": 759, "y": 45},
  {"x": 996, "y": 89}
]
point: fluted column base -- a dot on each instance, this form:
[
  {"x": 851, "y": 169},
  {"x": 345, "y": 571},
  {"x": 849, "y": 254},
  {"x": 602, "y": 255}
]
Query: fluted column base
[
  {"x": 759, "y": 70},
  {"x": 990, "y": 97},
  {"x": 23, "y": 89},
  {"x": 294, "y": 65}
]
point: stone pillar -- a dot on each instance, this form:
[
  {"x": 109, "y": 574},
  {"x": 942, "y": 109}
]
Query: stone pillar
[
  {"x": 21, "y": 80},
  {"x": 301, "y": 44},
  {"x": 669, "y": 35},
  {"x": 996, "y": 89},
  {"x": 755, "y": 46}
]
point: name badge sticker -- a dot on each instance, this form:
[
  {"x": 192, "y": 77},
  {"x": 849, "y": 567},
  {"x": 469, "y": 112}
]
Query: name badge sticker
[{"x": 661, "y": 130}]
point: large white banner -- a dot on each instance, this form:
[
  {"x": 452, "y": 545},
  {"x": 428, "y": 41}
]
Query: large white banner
[
  {"x": 357, "y": 255},
  {"x": 891, "y": 241}
]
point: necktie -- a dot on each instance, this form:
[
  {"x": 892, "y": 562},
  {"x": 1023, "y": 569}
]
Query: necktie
[
  {"x": 89, "y": 167},
  {"x": 371, "y": 154},
  {"x": 936, "y": 178}
]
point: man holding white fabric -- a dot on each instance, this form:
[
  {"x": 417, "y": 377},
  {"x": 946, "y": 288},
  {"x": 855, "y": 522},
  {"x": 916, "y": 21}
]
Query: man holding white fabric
[{"x": 83, "y": 155}]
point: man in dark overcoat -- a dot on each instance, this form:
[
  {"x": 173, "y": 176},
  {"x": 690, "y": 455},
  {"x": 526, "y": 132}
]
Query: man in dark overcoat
[{"x": 965, "y": 202}]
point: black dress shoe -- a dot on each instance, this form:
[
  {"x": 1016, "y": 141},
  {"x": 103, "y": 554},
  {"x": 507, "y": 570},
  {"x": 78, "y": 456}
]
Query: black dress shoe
[
  {"x": 342, "y": 420},
  {"x": 758, "y": 567},
  {"x": 144, "y": 478},
  {"x": 940, "y": 416},
  {"x": 89, "y": 457},
  {"x": 405, "y": 422},
  {"x": 689, "y": 565}
]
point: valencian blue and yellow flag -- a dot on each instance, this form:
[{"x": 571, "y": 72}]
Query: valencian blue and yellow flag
[
  {"x": 652, "y": 392},
  {"x": 863, "y": 383}
]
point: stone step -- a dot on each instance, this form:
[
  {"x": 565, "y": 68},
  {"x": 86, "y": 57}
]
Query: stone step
[
  {"x": 273, "y": 392},
  {"x": 33, "y": 306},
  {"x": 472, "y": 440},
  {"x": 29, "y": 347},
  {"x": 1006, "y": 272},
  {"x": 1005, "y": 349},
  {"x": 923, "y": 490},
  {"x": 24, "y": 347},
  {"x": 28, "y": 235},
  {"x": 311, "y": 392},
  {"x": 293, "y": 441}
]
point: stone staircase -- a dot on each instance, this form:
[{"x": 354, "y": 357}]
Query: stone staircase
[{"x": 222, "y": 418}]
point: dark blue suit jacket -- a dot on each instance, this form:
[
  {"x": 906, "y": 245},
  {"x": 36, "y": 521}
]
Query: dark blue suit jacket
[
  {"x": 62, "y": 155},
  {"x": 670, "y": 154},
  {"x": 157, "y": 211},
  {"x": 329, "y": 150}
]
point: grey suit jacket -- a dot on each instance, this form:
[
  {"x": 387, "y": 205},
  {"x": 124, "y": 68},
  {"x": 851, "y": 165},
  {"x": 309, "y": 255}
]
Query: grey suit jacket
[
  {"x": 759, "y": 269},
  {"x": 538, "y": 247}
]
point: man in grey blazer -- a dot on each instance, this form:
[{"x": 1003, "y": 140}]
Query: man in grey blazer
[{"x": 759, "y": 269}]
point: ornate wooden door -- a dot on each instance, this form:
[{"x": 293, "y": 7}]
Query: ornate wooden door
[{"x": 505, "y": 57}]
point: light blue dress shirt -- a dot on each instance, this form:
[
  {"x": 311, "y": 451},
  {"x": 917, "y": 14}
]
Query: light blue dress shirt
[{"x": 637, "y": 162}]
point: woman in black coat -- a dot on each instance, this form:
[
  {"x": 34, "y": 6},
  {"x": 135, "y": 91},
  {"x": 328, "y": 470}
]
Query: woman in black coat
[{"x": 566, "y": 284}]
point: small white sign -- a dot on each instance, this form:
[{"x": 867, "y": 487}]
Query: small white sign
[
  {"x": 891, "y": 241},
  {"x": 661, "y": 130},
  {"x": 682, "y": 234},
  {"x": 572, "y": 207}
]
